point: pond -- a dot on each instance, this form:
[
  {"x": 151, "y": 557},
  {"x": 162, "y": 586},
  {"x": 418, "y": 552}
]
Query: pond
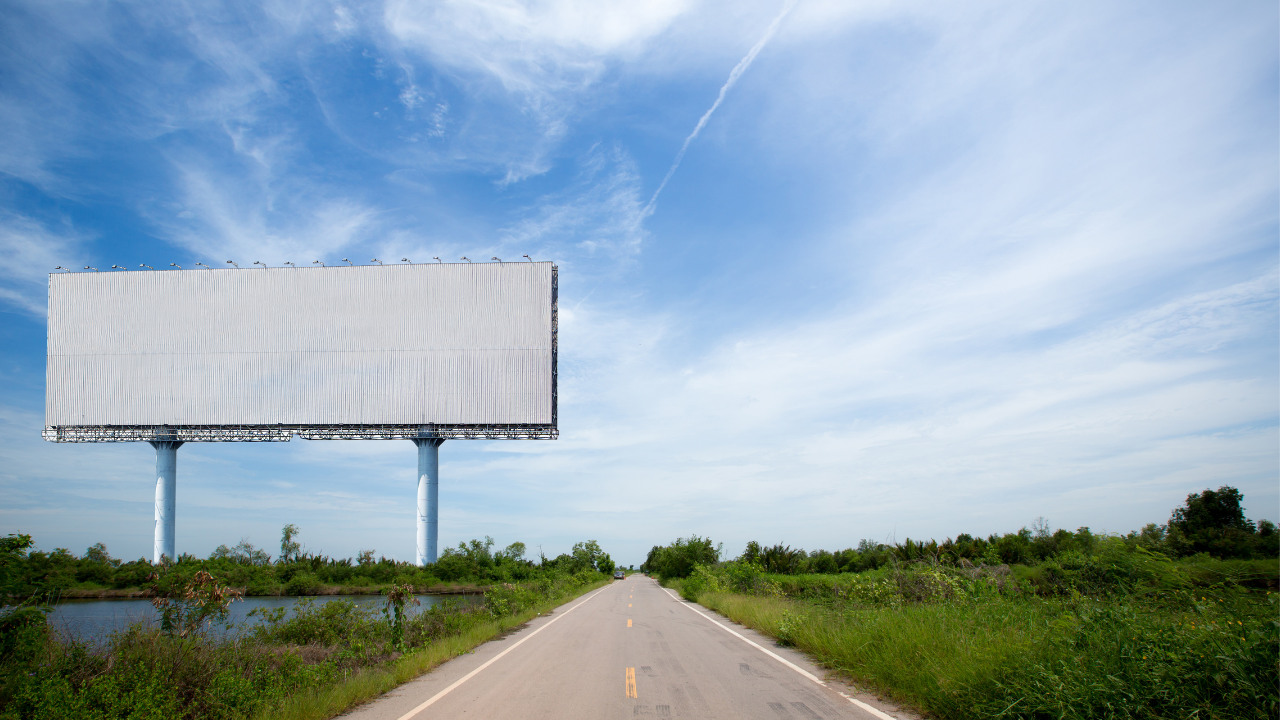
[{"x": 97, "y": 619}]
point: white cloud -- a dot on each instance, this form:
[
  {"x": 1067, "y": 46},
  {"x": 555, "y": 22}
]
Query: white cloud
[
  {"x": 598, "y": 213},
  {"x": 32, "y": 250},
  {"x": 439, "y": 118},
  {"x": 533, "y": 48},
  {"x": 343, "y": 23},
  {"x": 411, "y": 97},
  {"x": 272, "y": 219},
  {"x": 532, "y": 66},
  {"x": 847, "y": 427}
]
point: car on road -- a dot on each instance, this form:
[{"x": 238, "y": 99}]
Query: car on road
[{"x": 619, "y": 575}]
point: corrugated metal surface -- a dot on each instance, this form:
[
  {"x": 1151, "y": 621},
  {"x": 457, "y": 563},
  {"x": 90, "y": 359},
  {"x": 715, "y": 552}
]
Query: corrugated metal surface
[{"x": 403, "y": 344}]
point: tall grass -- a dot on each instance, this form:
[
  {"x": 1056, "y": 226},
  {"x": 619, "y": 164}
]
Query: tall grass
[
  {"x": 1175, "y": 655},
  {"x": 312, "y": 663},
  {"x": 333, "y": 699}
]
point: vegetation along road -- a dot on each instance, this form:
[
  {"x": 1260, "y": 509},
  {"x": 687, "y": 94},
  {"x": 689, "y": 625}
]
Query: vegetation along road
[{"x": 632, "y": 649}]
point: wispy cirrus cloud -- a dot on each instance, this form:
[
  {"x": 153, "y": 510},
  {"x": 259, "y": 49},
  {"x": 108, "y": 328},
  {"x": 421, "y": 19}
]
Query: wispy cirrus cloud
[
  {"x": 734, "y": 74},
  {"x": 533, "y": 49},
  {"x": 32, "y": 249},
  {"x": 597, "y": 214},
  {"x": 538, "y": 59},
  {"x": 273, "y": 220}
]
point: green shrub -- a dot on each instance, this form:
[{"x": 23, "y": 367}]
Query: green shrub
[
  {"x": 145, "y": 673},
  {"x": 318, "y": 623},
  {"x": 302, "y": 583},
  {"x": 23, "y": 632},
  {"x": 678, "y": 559},
  {"x": 701, "y": 580},
  {"x": 508, "y": 599}
]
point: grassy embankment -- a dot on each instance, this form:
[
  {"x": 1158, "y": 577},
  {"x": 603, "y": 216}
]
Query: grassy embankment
[
  {"x": 312, "y": 662},
  {"x": 1175, "y": 620},
  {"x": 327, "y": 702},
  {"x": 1122, "y": 634}
]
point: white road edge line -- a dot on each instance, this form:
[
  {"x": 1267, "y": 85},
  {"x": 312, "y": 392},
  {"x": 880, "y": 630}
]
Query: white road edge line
[
  {"x": 494, "y": 659},
  {"x": 874, "y": 711}
]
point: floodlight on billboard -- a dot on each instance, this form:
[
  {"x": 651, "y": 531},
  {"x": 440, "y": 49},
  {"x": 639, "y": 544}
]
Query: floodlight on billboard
[{"x": 415, "y": 352}]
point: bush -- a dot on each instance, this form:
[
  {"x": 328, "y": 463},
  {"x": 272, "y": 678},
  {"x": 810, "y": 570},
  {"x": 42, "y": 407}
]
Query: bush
[
  {"x": 701, "y": 580},
  {"x": 508, "y": 599},
  {"x": 143, "y": 673},
  {"x": 302, "y": 583},
  {"x": 680, "y": 558},
  {"x": 312, "y": 623},
  {"x": 23, "y": 632},
  {"x": 190, "y": 608}
]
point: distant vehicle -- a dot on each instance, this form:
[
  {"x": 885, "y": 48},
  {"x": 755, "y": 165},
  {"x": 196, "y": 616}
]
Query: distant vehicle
[{"x": 619, "y": 575}]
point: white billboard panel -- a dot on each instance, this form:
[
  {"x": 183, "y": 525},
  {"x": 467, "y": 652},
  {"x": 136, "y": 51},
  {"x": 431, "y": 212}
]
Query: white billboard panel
[{"x": 465, "y": 349}]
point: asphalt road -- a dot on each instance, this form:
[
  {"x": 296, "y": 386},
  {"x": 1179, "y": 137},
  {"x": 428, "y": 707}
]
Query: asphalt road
[{"x": 632, "y": 649}]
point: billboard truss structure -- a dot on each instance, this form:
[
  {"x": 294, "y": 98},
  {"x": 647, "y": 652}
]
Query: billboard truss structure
[{"x": 285, "y": 433}]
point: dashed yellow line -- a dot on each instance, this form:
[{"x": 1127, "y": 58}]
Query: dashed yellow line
[
  {"x": 631, "y": 682},
  {"x": 628, "y": 622}
]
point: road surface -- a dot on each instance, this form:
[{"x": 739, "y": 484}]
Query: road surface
[{"x": 631, "y": 649}]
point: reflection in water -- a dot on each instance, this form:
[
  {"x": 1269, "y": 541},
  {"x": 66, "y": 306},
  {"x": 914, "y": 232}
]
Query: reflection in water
[{"x": 97, "y": 619}]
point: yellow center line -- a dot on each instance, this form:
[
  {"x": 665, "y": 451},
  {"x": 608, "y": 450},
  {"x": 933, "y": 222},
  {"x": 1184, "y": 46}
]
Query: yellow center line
[
  {"x": 628, "y": 622},
  {"x": 631, "y": 683},
  {"x": 628, "y": 604}
]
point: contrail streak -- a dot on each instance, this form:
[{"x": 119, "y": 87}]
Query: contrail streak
[{"x": 738, "y": 69}]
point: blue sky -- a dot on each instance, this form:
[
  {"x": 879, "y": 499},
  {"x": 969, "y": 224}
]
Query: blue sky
[{"x": 928, "y": 268}]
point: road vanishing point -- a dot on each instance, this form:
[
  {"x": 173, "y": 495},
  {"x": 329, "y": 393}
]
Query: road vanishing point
[{"x": 630, "y": 649}]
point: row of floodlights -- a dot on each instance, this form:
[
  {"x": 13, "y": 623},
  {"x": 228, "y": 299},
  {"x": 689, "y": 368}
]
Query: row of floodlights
[{"x": 264, "y": 265}]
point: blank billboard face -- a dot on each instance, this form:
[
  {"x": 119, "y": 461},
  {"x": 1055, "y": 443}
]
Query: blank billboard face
[{"x": 457, "y": 345}]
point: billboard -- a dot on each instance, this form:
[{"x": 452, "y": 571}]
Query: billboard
[{"x": 402, "y": 351}]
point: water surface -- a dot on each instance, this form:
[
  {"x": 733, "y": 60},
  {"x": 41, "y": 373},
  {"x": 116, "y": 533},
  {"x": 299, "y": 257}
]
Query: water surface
[{"x": 96, "y": 619}]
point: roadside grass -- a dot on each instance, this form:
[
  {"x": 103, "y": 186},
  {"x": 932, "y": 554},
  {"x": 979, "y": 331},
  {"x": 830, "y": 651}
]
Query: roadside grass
[
  {"x": 313, "y": 661},
  {"x": 1177, "y": 655},
  {"x": 911, "y": 653},
  {"x": 906, "y": 648},
  {"x": 328, "y": 701}
]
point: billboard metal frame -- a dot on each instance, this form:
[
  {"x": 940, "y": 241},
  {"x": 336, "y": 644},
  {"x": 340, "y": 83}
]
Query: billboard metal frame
[{"x": 282, "y": 432}]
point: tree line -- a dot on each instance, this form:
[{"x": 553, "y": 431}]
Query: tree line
[
  {"x": 1211, "y": 522},
  {"x": 25, "y": 571}
]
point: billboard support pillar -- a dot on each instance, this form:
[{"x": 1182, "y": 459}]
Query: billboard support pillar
[
  {"x": 166, "y": 498},
  {"x": 428, "y": 498}
]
